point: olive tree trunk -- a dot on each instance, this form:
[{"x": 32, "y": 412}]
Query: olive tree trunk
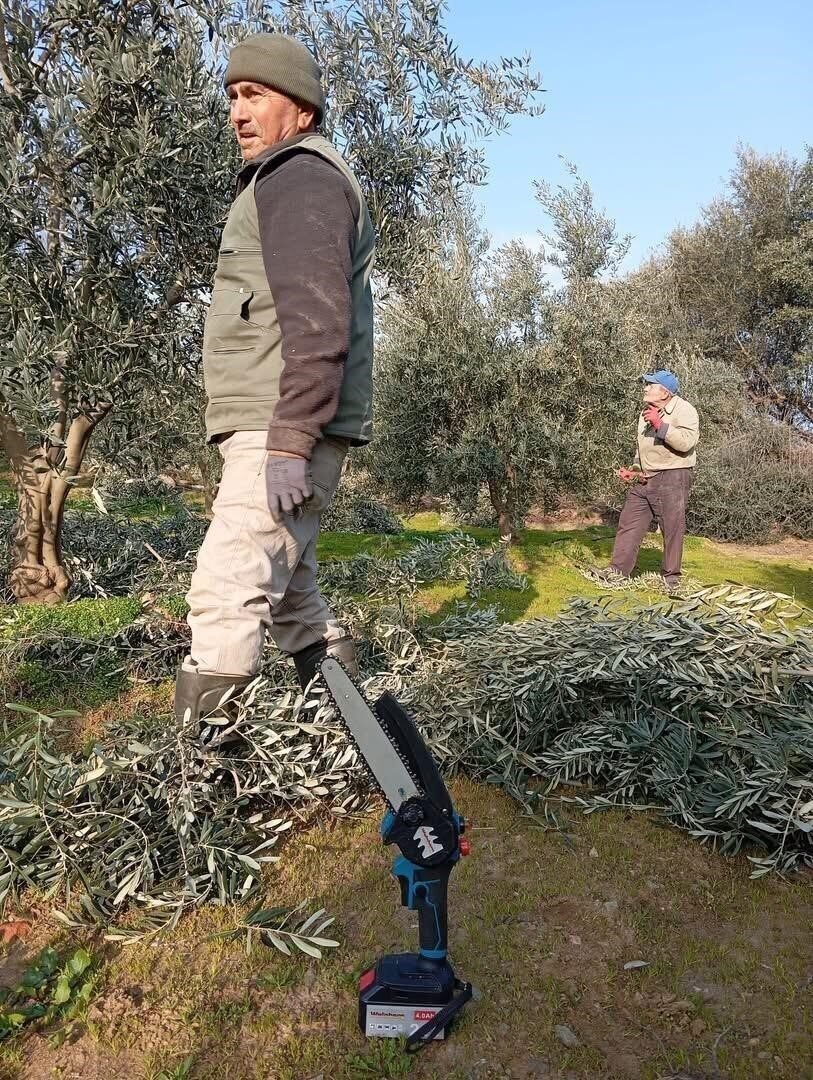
[
  {"x": 500, "y": 495},
  {"x": 42, "y": 476}
]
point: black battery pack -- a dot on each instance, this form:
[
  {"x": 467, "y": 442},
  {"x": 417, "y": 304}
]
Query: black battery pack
[{"x": 404, "y": 993}]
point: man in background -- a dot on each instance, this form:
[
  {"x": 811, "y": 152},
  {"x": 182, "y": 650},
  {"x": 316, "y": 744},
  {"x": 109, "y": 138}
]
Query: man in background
[{"x": 660, "y": 479}]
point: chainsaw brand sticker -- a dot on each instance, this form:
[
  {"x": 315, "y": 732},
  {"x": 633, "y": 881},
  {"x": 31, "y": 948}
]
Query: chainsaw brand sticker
[{"x": 425, "y": 836}]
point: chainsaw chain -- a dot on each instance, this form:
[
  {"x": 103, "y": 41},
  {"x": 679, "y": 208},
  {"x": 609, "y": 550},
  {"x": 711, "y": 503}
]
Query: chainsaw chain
[{"x": 351, "y": 737}]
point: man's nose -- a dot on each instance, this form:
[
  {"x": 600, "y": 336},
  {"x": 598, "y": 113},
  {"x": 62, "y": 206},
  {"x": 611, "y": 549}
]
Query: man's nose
[{"x": 239, "y": 112}]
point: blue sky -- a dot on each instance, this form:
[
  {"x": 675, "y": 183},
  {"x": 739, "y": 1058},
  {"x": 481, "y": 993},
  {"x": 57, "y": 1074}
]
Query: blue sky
[{"x": 649, "y": 100}]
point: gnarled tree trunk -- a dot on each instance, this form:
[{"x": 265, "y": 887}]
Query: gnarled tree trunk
[
  {"x": 42, "y": 476},
  {"x": 500, "y": 495}
]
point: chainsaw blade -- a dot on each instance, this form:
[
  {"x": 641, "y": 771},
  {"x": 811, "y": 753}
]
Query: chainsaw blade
[{"x": 382, "y": 757}]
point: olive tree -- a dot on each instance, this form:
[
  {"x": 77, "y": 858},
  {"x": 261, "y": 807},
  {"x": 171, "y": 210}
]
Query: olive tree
[
  {"x": 114, "y": 177},
  {"x": 743, "y": 276},
  {"x": 113, "y": 187},
  {"x": 467, "y": 390}
]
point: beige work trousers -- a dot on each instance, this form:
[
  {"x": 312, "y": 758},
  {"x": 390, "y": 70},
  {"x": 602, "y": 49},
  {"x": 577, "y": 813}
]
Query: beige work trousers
[{"x": 255, "y": 575}]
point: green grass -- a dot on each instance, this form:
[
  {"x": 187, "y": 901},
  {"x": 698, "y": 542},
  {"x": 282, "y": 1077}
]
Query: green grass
[
  {"x": 141, "y": 508},
  {"x": 553, "y": 579},
  {"x": 344, "y": 545},
  {"x": 90, "y": 619},
  {"x": 174, "y": 605},
  {"x": 151, "y": 508},
  {"x": 542, "y": 556},
  {"x": 48, "y": 686}
]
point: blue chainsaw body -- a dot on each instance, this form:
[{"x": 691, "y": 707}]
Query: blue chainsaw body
[{"x": 417, "y": 995}]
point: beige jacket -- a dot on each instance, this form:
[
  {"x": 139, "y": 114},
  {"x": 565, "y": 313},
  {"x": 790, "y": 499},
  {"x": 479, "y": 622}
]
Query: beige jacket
[{"x": 674, "y": 445}]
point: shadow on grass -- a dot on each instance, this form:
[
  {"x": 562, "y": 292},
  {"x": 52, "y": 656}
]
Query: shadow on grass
[{"x": 794, "y": 580}]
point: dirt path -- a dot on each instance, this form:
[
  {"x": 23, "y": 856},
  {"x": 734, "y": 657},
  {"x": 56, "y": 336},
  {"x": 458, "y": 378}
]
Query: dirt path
[{"x": 789, "y": 549}]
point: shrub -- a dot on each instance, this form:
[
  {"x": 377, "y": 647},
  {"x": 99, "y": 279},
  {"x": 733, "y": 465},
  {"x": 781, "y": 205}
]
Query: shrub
[{"x": 757, "y": 484}]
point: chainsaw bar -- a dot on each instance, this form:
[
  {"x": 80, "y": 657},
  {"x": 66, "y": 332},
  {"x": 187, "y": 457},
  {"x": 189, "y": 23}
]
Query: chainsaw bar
[
  {"x": 385, "y": 762},
  {"x": 403, "y": 731}
]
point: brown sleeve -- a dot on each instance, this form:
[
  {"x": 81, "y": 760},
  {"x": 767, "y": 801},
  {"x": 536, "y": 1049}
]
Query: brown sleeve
[{"x": 307, "y": 232}]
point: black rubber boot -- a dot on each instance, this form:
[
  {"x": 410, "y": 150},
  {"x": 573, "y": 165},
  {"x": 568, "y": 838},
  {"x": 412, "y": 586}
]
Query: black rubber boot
[
  {"x": 307, "y": 660},
  {"x": 200, "y": 693}
]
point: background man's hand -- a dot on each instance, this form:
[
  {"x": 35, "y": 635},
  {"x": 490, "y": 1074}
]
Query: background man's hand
[
  {"x": 652, "y": 415},
  {"x": 627, "y": 475},
  {"x": 287, "y": 482}
]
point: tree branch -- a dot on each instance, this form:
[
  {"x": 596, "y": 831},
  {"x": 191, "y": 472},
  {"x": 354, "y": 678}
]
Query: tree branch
[
  {"x": 5, "y": 78},
  {"x": 76, "y": 444},
  {"x": 60, "y": 397},
  {"x": 14, "y": 442}
]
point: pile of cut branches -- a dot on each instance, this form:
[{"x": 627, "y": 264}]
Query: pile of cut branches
[{"x": 699, "y": 709}]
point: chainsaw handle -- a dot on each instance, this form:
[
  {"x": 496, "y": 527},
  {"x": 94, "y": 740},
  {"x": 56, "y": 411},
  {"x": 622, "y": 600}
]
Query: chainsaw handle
[
  {"x": 433, "y": 913},
  {"x": 425, "y": 889}
]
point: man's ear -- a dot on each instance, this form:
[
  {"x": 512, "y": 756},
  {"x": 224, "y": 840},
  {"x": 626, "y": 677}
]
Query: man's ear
[{"x": 307, "y": 117}]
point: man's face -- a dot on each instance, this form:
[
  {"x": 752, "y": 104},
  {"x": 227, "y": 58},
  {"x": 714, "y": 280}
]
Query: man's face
[
  {"x": 262, "y": 117},
  {"x": 655, "y": 394}
]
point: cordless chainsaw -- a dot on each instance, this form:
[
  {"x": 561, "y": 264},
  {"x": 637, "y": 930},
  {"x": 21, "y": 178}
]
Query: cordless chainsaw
[{"x": 414, "y": 995}]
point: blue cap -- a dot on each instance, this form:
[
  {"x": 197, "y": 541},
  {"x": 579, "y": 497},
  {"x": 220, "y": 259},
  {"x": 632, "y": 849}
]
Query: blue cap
[{"x": 667, "y": 379}]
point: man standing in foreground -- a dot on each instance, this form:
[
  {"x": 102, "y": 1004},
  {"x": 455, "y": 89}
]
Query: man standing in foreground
[
  {"x": 288, "y": 348},
  {"x": 661, "y": 478}
]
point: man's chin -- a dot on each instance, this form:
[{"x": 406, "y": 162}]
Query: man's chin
[{"x": 251, "y": 147}]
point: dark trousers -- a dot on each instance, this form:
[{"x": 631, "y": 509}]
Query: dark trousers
[{"x": 664, "y": 497}]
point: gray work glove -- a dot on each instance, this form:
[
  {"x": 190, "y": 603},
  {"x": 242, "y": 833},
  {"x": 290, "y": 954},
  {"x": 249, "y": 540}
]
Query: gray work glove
[{"x": 287, "y": 484}]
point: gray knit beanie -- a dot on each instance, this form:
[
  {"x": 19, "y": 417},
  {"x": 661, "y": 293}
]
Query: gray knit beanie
[{"x": 280, "y": 62}]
